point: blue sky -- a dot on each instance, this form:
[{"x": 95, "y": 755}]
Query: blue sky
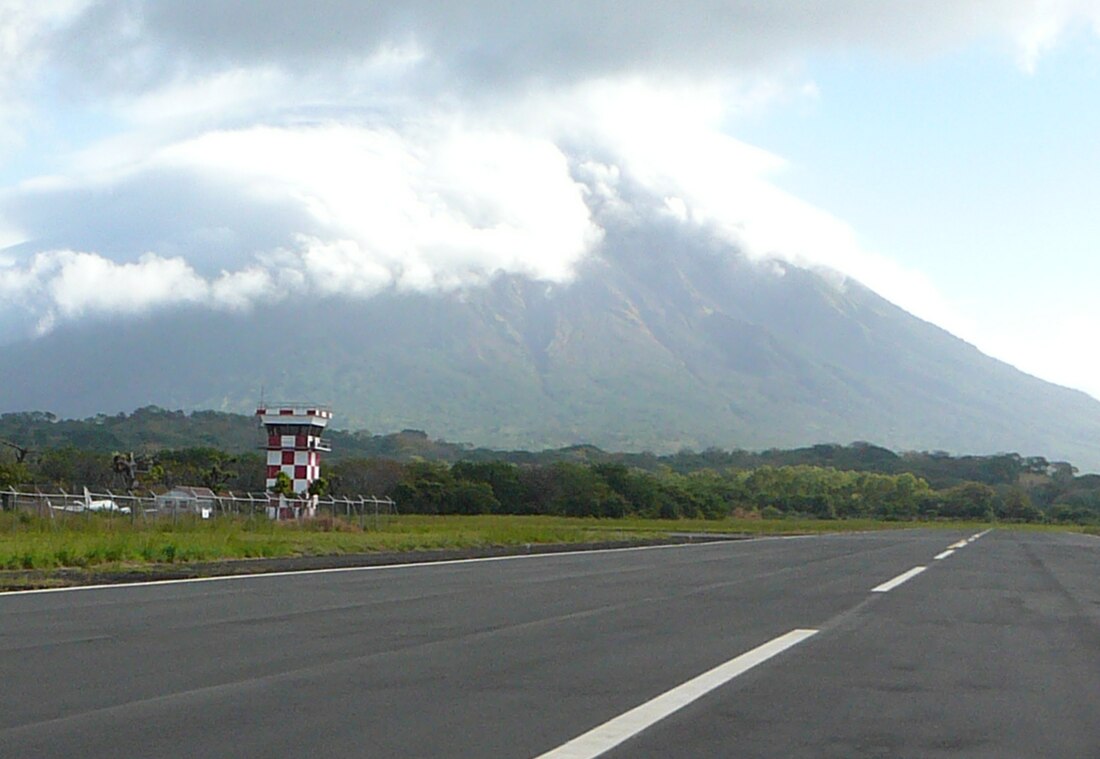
[
  {"x": 218, "y": 152},
  {"x": 973, "y": 171}
]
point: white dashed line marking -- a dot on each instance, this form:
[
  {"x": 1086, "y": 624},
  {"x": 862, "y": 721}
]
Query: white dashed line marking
[
  {"x": 944, "y": 554},
  {"x": 610, "y": 734},
  {"x": 889, "y": 585}
]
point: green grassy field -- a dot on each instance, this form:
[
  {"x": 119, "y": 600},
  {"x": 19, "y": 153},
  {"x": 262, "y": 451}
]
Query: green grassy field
[{"x": 32, "y": 543}]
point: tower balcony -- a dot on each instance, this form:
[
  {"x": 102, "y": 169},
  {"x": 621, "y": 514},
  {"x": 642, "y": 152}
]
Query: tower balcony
[
  {"x": 299, "y": 443},
  {"x": 294, "y": 412}
]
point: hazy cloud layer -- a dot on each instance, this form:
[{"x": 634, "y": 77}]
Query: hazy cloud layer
[
  {"x": 219, "y": 152},
  {"x": 498, "y": 41},
  {"x": 332, "y": 209}
]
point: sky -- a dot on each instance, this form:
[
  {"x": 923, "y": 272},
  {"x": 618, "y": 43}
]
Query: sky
[{"x": 224, "y": 153}]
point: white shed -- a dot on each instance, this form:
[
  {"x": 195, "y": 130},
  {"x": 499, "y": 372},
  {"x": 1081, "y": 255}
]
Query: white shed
[{"x": 187, "y": 499}]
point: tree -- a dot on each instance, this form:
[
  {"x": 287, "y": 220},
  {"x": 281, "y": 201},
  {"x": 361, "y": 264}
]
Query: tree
[
  {"x": 10, "y": 476},
  {"x": 902, "y": 497},
  {"x": 971, "y": 500},
  {"x": 500, "y": 476},
  {"x": 319, "y": 487},
  {"x": 20, "y": 451},
  {"x": 74, "y": 468},
  {"x": 358, "y": 476},
  {"x": 283, "y": 485},
  {"x": 216, "y": 476},
  {"x": 1014, "y": 505},
  {"x": 539, "y": 489},
  {"x": 1063, "y": 473},
  {"x": 471, "y": 498},
  {"x": 129, "y": 468},
  {"x": 424, "y": 487},
  {"x": 580, "y": 492},
  {"x": 640, "y": 491}
]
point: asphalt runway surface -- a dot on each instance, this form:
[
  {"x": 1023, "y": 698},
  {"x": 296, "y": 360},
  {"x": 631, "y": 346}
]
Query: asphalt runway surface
[{"x": 831, "y": 646}]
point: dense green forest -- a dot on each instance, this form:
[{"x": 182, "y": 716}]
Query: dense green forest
[{"x": 221, "y": 451}]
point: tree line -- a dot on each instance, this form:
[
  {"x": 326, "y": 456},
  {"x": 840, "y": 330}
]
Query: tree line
[
  {"x": 615, "y": 490},
  {"x": 597, "y": 489},
  {"x": 220, "y": 451}
]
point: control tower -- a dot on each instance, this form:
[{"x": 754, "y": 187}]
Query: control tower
[{"x": 294, "y": 442}]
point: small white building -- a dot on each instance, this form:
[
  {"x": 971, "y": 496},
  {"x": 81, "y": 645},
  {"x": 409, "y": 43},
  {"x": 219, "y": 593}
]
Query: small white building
[{"x": 187, "y": 500}]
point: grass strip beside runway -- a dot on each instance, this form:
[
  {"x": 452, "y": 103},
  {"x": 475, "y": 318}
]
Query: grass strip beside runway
[{"x": 28, "y": 542}]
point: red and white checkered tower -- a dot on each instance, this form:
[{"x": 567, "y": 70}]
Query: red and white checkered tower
[{"x": 294, "y": 442}]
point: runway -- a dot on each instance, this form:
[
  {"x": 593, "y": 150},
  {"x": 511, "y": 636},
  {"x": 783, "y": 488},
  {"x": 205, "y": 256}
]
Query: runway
[{"x": 920, "y": 643}]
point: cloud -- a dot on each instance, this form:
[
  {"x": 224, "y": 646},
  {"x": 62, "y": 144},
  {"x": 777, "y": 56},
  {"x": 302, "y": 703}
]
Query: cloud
[
  {"x": 662, "y": 150},
  {"x": 489, "y": 42},
  {"x": 165, "y": 59},
  {"x": 351, "y": 209},
  {"x": 1038, "y": 26},
  {"x": 27, "y": 28},
  {"x": 225, "y": 152},
  {"x": 83, "y": 282},
  {"x": 438, "y": 206},
  {"x": 75, "y": 284},
  {"x": 335, "y": 209}
]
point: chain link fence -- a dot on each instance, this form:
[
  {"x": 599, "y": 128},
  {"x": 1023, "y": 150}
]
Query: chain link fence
[{"x": 366, "y": 511}]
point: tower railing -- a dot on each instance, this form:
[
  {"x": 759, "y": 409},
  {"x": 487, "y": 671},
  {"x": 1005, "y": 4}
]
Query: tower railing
[{"x": 305, "y": 405}]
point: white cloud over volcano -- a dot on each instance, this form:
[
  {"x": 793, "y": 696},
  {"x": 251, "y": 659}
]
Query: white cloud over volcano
[
  {"x": 341, "y": 210},
  {"x": 224, "y": 152}
]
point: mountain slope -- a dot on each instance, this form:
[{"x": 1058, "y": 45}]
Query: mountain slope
[{"x": 667, "y": 339}]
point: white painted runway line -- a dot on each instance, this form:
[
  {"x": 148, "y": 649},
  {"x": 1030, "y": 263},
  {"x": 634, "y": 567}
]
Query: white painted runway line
[
  {"x": 392, "y": 567},
  {"x": 960, "y": 544},
  {"x": 889, "y": 585},
  {"x": 610, "y": 734},
  {"x": 943, "y": 555}
]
